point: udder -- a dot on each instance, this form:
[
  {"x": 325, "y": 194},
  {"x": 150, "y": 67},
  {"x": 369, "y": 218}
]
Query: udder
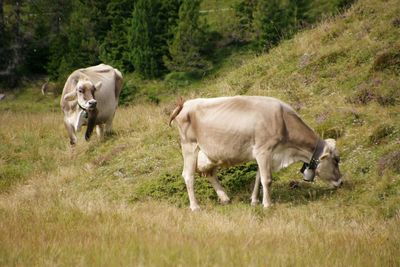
[{"x": 204, "y": 163}]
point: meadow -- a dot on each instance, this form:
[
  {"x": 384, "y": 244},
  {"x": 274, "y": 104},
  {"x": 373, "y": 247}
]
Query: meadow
[{"x": 122, "y": 202}]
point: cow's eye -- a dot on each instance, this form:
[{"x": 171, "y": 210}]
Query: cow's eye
[{"x": 80, "y": 90}]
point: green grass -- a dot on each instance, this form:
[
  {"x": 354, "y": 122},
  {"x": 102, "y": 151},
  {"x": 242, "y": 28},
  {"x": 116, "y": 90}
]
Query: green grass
[{"x": 121, "y": 200}]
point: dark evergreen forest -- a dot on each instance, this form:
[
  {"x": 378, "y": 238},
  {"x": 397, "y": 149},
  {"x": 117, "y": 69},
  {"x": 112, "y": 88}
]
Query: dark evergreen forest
[{"x": 152, "y": 38}]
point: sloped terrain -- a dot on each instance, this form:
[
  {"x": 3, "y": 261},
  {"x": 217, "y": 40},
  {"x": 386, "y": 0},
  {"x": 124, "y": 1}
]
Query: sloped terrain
[{"x": 121, "y": 201}]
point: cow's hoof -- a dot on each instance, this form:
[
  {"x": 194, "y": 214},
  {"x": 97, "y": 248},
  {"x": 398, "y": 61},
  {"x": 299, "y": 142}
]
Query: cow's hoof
[
  {"x": 225, "y": 201},
  {"x": 294, "y": 184},
  {"x": 195, "y": 208},
  {"x": 255, "y": 202},
  {"x": 267, "y": 206}
]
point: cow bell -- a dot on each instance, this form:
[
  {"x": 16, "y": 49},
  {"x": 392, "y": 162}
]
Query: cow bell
[{"x": 308, "y": 175}]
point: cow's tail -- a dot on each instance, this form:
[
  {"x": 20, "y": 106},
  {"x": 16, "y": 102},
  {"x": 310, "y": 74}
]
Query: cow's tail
[
  {"x": 118, "y": 83},
  {"x": 179, "y": 107}
]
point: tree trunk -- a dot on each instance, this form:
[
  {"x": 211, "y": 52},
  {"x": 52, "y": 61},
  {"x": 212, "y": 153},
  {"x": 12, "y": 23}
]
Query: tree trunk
[
  {"x": 1, "y": 20},
  {"x": 16, "y": 47},
  {"x": 2, "y": 38}
]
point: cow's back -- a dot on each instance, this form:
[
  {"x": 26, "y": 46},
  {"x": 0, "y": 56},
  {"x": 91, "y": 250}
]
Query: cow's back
[
  {"x": 107, "y": 95},
  {"x": 228, "y": 128}
]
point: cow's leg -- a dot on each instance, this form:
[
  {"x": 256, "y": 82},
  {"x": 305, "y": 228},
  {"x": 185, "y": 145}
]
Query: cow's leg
[
  {"x": 264, "y": 166},
  {"x": 100, "y": 130},
  {"x": 254, "y": 195},
  {"x": 189, "y": 152},
  {"x": 71, "y": 132},
  {"x": 212, "y": 177},
  {"x": 108, "y": 128}
]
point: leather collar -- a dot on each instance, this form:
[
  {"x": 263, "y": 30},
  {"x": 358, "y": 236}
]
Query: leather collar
[{"x": 313, "y": 164}]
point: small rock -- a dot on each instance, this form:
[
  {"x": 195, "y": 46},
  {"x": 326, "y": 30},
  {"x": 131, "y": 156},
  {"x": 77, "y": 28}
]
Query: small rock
[
  {"x": 294, "y": 184},
  {"x": 304, "y": 60},
  {"x": 119, "y": 173}
]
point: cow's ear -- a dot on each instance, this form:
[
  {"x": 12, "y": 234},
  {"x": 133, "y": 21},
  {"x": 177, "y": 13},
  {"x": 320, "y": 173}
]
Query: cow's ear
[
  {"x": 98, "y": 86},
  {"x": 324, "y": 156},
  {"x": 70, "y": 96}
]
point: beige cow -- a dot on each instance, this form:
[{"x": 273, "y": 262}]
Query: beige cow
[
  {"x": 49, "y": 88},
  {"x": 225, "y": 131},
  {"x": 90, "y": 97}
]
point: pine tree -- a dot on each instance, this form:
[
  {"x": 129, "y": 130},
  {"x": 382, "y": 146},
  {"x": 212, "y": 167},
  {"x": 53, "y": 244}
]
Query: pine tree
[
  {"x": 37, "y": 52},
  {"x": 3, "y": 39},
  {"x": 57, "y": 13},
  {"x": 120, "y": 48},
  {"x": 83, "y": 32},
  {"x": 99, "y": 18},
  {"x": 114, "y": 48},
  {"x": 168, "y": 15},
  {"x": 143, "y": 40},
  {"x": 16, "y": 58},
  {"x": 298, "y": 14},
  {"x": 271, "y": 23},
  {"x": 189, "y": 41},
  {"x": 244, "y": 17}
]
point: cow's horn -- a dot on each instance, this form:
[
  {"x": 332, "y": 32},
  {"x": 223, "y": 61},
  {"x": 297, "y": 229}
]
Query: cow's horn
[
  {"x": 70, "y": 96},
  {"x": 98, "y": 85}
]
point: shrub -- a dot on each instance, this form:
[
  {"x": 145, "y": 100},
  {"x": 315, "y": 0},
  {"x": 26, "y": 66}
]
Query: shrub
[
  {"x": 187, "y": 50},
  {"x": 389, "y": 161},
  {"x": 380, "y": 134},
  {"x": 128, "y": 92},
  {"x": 171, "y": 187},
  {"x": 238, "y": 182},
  {"x": 178, "y": 79},
  {"x": 390, "y": 98},
  {"x": 388, "y": 60},
  {"x": 396, "y": 22},
  {"x": 363, "y": 95},
  {"x": 332, "y": 132}
]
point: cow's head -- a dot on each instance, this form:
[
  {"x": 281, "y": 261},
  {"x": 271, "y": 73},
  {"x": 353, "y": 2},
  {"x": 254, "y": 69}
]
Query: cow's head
[
  {"x": 328, "y": 167},
  {"x": 85, "y": 93}
]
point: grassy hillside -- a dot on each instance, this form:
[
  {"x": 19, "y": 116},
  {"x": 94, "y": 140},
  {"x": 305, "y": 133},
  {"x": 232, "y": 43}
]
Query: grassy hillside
[{"x": 121, "y": 201}]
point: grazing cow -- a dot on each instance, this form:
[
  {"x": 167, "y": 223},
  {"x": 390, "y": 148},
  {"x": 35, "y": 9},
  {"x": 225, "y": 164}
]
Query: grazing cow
[
  {"x": 90, "y": 97},
  {"x": 49, "y": 88},
  {"x": 225, "y": 131}
]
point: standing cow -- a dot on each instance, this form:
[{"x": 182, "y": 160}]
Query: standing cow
[
  {"x": 90, "y": 97},
  {"x": 226, "y": 131}
]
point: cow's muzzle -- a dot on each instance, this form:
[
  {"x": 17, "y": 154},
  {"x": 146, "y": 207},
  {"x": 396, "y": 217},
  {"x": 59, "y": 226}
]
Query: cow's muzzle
[{"x": 92, "y": 104}]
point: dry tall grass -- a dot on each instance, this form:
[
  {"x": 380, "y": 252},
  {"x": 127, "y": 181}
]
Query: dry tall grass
[{"x": 66, "y": 217}]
